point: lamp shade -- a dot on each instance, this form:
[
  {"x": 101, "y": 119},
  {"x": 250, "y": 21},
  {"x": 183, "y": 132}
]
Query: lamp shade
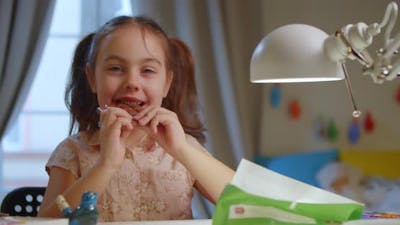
[{"x": 293, "y": 53}]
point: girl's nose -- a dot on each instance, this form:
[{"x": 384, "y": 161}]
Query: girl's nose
[{"x": 132, "y": 81}]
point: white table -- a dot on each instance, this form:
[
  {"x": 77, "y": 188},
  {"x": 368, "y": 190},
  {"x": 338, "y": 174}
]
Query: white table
[
  {"x": 169, "y": 222},
  {"x": 63, "y": 221}
]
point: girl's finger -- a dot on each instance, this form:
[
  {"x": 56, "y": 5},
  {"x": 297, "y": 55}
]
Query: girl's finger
[
  {"x": 126, "y": 123},
  {"x": 163, "y": 118},
  {"x": 108, "y": 115},
  {"x": 118, "y": 112},
  {"x": 119, "y": 124},
  {"x": 154, "y": 124},
  {"x": 148, "y": 116},
  {"x": 142, "y": 113}
]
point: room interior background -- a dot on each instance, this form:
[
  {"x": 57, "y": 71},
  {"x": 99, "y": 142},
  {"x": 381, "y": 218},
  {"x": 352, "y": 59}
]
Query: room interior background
[{"x": 328, "y": 101}]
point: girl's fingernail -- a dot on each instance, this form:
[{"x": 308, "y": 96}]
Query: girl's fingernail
[{"x": 135, "y": 117}]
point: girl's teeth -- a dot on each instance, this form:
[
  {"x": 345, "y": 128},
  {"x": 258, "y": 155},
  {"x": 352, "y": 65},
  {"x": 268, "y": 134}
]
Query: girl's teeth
[{"x": 132, "y": 104}]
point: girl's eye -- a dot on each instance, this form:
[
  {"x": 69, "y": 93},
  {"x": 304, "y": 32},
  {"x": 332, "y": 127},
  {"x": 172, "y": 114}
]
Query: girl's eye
[
  {"x": 148, "y": 70},
  {"x": 114, "y": 68}
]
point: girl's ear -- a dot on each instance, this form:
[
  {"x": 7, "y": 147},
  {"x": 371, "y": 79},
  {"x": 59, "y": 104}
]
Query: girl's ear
[
  {"x": 90, "y": 77},
  {"x": 170, "y": 77}
]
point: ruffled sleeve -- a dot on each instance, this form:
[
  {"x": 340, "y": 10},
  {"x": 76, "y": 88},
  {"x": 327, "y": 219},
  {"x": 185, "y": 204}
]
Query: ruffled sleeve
[{"x": 65, "y": 156}]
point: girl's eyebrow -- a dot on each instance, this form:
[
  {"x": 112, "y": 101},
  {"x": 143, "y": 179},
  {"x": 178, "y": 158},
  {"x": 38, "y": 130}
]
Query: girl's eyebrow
[
  {"x": 114, "y": 57},
  {"x": 145, "y": 60},
  {"x": 149, "y": 60}
]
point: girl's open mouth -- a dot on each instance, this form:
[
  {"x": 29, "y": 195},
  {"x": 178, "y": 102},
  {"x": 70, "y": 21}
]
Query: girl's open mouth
[{"x": 132, "y": 107}]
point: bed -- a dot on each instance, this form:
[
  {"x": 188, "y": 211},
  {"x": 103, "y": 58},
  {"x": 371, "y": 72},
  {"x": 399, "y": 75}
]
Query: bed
[{"x": 368, "y": 176}]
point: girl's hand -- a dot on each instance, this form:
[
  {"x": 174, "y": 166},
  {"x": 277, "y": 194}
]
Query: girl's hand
[
  {"x": 164, "y": 126},
  {"x": 115, "y": 128}
]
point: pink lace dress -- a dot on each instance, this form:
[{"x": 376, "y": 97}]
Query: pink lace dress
[{"x": 151, "y": 185}]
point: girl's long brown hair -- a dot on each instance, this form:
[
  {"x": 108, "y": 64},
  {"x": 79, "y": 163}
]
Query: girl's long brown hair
[
  {"x": 181, "y": 98},
  {"x": 79, "y": 99}
]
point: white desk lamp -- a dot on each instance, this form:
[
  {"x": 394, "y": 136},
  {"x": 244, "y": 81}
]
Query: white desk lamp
[{"x": 302, "y": 53}]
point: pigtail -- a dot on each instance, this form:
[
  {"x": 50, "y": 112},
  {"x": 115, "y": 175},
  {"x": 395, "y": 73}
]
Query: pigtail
[
  {"x": 182, "y": 96},
  {"x": 79, "y": 98}
]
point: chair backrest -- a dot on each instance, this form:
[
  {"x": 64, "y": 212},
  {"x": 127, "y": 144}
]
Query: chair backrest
[{"x": 23, "y": 201}]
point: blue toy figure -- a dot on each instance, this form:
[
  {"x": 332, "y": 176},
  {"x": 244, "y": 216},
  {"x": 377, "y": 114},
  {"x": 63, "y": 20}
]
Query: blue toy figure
[{"x": 85, "y": 214}]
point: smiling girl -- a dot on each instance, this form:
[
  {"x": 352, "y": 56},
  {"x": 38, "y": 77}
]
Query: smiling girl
[{"x": 143, "y": 152}]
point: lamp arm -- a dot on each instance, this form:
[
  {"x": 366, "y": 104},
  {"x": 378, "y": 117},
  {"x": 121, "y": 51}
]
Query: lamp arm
[
  {"x": 394, "y": 71},
  {"x": 383, "y": 68},
  {"x": 389, "y": 17},
  {"x": 357, "y": 37},
  {"x": 392, "y": 47},
  {"x": 352, "y": 40}
]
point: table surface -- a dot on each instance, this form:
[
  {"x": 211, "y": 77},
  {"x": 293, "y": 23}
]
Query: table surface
[
  {"x": 64, "y": 221},
  {"x": 169, "y": 222}
]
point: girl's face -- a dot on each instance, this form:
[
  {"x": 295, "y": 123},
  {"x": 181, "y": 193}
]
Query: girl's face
[{"x": 130, "y": 70}]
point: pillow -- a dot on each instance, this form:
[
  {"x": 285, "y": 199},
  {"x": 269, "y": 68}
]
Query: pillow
[{"x": 300, "y": 166}]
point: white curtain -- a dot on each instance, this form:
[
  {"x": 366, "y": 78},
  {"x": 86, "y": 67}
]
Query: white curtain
[
  {"x": 222, "y": 35},
  {"x": 23, "y": 31},
  {"x": 24, "y": 27}
]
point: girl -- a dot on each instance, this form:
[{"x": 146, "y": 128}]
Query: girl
[{"x": 141, "y": 153}]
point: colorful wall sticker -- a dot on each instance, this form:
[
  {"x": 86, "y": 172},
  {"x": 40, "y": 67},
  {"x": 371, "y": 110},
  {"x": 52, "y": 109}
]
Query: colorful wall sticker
[
  {"x": 354, "y": 131},
  {"x": 294, "y": 110},
  {"x": 369, "y": 123},
  {"x": 332, "y": 131},
  {"x": 398, "y": 95},
  {"x": 275, "y": 96},
  {"x": 319, "y": 128}
]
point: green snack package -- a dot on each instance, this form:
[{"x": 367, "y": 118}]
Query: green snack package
[{"x": 259, "y": 196}]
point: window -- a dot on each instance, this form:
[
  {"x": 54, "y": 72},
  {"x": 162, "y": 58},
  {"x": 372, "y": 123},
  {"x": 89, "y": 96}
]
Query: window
[{"x": 44, "y": 120}]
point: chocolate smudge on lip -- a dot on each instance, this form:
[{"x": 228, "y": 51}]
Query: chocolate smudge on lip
[{"x": 132, "y": 108}]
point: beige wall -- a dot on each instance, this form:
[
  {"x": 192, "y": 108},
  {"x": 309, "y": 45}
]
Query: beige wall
[{"x": 279, "y": 134}]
